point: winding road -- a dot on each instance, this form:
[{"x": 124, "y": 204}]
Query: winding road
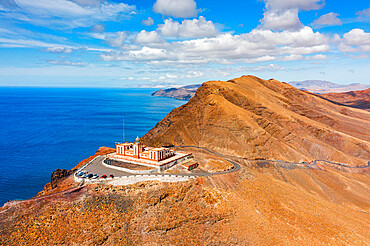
[{"x": 96, "y": 165}]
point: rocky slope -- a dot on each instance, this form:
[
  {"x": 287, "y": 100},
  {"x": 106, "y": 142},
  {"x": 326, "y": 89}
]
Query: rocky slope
[
  {"x": 261, "y": 204},
  {"x": 264, "y": 203},
  {"x": 257, "y": 118},
  {"x": 320, "y": 86},
  {"x": 355, "y": 99},
  {"x": 181, "y": 93}
]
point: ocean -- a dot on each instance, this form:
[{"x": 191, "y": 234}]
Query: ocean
[{"x": 42, "y": 129}]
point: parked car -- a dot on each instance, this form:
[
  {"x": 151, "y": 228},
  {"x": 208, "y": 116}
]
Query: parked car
[
  {"x": 112, "y": 176},
  {"x": 89, "y": 176},
  {"x": 80, "y": 173},
  {"x": 95, "y": 176},
  {"x": 104, "y": 176}
]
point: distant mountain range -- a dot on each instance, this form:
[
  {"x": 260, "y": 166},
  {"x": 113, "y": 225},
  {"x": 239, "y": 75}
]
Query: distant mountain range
[
  {"x": 314, "y": 86},
  {"x": 354, "y": 99},
  {"x": 180, "y": 93},
  {"x": 321, "y": 86}
]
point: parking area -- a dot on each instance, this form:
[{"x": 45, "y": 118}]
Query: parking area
[{"x": 97, "y": 167}]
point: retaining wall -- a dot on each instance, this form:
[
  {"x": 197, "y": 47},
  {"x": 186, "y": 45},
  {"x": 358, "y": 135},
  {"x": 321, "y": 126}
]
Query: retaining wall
[
  {"x": 154, "y": 170},
  {"x": 132, "y": 179}
]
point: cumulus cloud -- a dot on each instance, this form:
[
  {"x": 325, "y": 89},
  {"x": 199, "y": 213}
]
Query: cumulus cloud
[
  {"x": 258, "y": 45},
  {"x": 329, "y": 19},
  {"x": 281, "y": 20},
  {"x": 356, "y": 40},
  {"x": 195, "y": 28},
  {"x": 64, "y": 13},
  {"x": 148, "y": 22},
  {"x": 176, "y": 8},
  {"x": 149, "y": 38},
  {"x": 283, "y": 14}
]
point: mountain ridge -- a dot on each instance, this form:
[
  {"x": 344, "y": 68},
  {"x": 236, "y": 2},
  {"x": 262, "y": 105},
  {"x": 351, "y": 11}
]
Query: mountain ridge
[
  {"x": 314, "y": 86},
  {"x": 266, "y": 119}
]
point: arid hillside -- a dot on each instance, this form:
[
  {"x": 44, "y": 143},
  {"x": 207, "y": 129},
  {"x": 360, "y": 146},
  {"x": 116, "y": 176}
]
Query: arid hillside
[
  {"x": 256, "y": 118},
  {"x": 261, "y": 204},
  {"x": 355, "y": 99}
]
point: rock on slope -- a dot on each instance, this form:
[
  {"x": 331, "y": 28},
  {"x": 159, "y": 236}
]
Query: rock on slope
[
  {"x": 257, "y": 118},
  {"x": 355, "y": 99}
]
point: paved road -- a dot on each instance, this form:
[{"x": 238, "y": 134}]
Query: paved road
[{"x": 97, "y": 167}]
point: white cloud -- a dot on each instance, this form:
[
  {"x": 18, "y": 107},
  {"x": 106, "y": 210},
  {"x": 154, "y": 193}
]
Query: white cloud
[
  {"x": 281, "y": 20},
  {"x": 7, "y": 42},
  {"x": 149, "y": 38},
  {"x": 195, "y": 28},
  {"x": 283, "y": 14},
  {"x": 364, "y": 13},
  {"x": 356, "y": 40},
  {"x": 317, "y": 57},
  {"x": 329, "y": 19},
  {"x": 148, "y": 22},
  {"x": 67, "y": 63},
  {"x": 66, "y": 14},
  {"x": 98, "y": 28},
  {"x": 118, "y": 40},
  {"x": 258, "y": 45},
  {"x": 295, "y": 4},
  {"x": 170, "y": 28},
  {"x": 59, "y": 49},
  {"x": 90, "y": 3},
  {"x": 176, "y": 8}
]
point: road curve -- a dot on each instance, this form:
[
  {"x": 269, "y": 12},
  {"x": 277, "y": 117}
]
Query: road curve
[{"x": 98, "y": 167}]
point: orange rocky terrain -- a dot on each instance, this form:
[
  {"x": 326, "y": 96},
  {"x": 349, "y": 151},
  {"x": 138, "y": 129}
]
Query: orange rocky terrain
[
  {"x": 355, "y": 99},
  {"x": 256, "y": 118},
  {"x": 263, "y": 203}
]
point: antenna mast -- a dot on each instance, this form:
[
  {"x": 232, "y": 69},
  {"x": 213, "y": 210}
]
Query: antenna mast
[{"x": 123, "y": 128}]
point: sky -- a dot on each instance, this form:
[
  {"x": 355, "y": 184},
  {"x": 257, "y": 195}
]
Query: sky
[{"x": 165, "y": 43}]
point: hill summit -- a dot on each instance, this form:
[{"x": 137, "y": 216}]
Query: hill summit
[{"x": 256, "y": 118}]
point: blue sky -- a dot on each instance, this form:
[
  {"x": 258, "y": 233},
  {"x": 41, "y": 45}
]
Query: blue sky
[{"x": 162, "y": 43}]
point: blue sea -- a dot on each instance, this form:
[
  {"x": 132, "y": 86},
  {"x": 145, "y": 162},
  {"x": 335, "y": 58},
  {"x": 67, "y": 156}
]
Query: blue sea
[{"x": 42, "y": 129}]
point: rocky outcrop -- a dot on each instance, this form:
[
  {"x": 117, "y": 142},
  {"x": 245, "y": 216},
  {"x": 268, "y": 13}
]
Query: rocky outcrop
[
  {"x": 257, "y": 118},
  {"x": 59, "y": 175}
]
